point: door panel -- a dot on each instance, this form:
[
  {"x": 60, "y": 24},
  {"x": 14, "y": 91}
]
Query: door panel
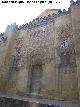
[{"x": 36, "y": 74}]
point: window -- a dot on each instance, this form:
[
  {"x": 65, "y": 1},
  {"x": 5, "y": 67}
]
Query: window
[{"x": 64, "y": 43}]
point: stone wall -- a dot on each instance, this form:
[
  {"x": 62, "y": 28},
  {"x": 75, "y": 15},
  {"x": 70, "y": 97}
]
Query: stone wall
[
  {"x": 5, "y": 54},
  {"x": 65, "y": 70},
  {"x": 51, "y": 42},
  {"x": 75, "y": 14}
]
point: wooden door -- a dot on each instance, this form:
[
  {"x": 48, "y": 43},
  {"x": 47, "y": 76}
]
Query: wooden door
[{"x": 36, "y": 75}]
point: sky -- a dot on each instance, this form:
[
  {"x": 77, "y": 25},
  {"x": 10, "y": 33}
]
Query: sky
[{"x": 22, "y": 13}]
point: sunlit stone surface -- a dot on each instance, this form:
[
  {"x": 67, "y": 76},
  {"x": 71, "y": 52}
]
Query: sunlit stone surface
[{"x": 40, "y": 61}]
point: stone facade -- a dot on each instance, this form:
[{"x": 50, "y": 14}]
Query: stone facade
[{"x": 42, "y": 58}]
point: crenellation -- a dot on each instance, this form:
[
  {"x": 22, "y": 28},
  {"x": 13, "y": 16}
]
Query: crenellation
[
  {"x": 13, "y": 26},
  {"x": 72, "y": 2},
  {"x": 69, "y": 10},
  {"x": 37, "y": 20},
  {"x": 3, "y": 38},
  {"x": 2, "y": 34},
  {"x": 44, "y": 20},
  {"x": 20, "y": 27},
  {"x": 65, "y": 12},
  {"x": 59, "y": 13},
  {"x": 26, "y": 25},
  {"x": 54, "y": 15},
  {"x": 78, "y": 1}
]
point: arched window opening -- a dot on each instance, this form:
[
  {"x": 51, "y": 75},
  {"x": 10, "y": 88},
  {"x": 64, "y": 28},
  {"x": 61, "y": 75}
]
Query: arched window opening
[{"x": 64, "y": 43}]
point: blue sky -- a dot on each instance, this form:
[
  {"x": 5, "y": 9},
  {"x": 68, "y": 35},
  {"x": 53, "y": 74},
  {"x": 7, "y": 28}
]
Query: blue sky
[{"x": 25, "y": 12}]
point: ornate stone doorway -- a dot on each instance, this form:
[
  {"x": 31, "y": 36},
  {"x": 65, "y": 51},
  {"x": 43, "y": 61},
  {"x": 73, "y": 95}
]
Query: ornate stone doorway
[{"x": 35, "y": 82}]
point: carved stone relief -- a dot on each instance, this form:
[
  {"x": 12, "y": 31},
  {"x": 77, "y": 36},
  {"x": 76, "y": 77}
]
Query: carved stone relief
[{"x": 39, "y": 36}]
